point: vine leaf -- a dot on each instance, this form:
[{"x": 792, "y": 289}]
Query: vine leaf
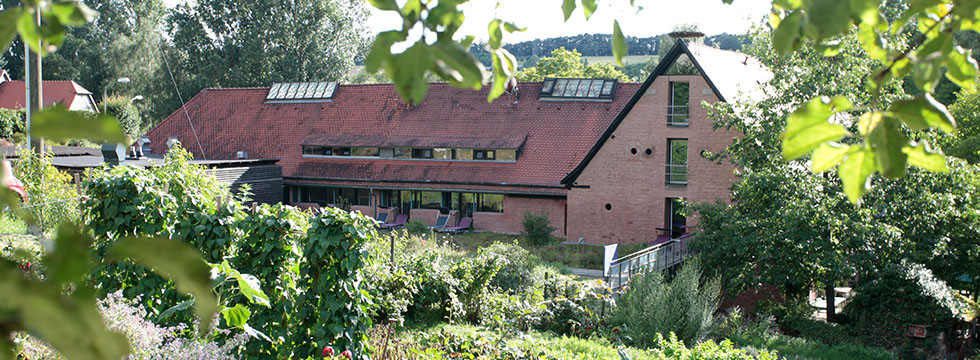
[
  {"x": 567, "y": 7},
  {"x": 176, "y": 261},
  {"x": 236, "y": 316}
]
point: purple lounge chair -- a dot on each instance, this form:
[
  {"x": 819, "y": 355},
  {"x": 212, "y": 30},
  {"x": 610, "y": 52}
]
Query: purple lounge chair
[
  {"x": 464, "y": 224},
  {"x": 399, "y": 221}
]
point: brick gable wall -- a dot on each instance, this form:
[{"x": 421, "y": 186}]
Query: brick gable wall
[{"x": 634, "y": 184}]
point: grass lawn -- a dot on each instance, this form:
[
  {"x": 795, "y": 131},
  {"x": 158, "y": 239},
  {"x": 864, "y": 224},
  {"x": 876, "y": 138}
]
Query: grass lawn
[{"x": 570, "y": 255}]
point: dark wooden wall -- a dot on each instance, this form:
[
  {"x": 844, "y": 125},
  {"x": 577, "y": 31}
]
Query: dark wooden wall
[{"x": 266, "y": 181}]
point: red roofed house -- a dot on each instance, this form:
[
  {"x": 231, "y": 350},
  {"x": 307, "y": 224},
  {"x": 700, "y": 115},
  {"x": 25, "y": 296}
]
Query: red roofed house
[
  {"x": 542, "y": 147},
  {"x": 67, "y": 93}
]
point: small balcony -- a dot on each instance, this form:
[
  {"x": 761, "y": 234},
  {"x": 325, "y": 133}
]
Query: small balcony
[
  {"x": 678, "y": 115},
  {"x": 677, "y": 174}
]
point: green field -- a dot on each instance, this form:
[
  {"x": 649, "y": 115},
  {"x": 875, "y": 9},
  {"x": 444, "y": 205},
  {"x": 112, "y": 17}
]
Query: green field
[{"x": 630, "y": 59}]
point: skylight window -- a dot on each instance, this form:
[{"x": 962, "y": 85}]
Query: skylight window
[
  {"x": 301, "y": 92},
  {"x": 578, "y": 89}
]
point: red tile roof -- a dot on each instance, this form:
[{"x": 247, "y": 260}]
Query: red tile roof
[
  {"x": 54, "y": 91},
  {"x": 554, "y": 136}
]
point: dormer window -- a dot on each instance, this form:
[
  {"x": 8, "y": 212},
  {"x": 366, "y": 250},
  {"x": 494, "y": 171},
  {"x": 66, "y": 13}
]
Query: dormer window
[
  {"x": 484, "y": 155},
  {"x": 421, "y": 153}
]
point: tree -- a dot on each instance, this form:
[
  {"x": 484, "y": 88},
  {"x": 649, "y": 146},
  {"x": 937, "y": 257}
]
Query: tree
[
  {"x": 128, "y": 114},
  {"x": 231, "y": 43},
  {"x": 965, "y": 144},
  {"x": 568, "y": 64},
  {"x": 794, "y": 228}
]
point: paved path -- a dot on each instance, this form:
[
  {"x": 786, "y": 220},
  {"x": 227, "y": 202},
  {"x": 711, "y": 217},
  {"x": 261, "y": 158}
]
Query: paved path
[{"x": 593, "y": 273}]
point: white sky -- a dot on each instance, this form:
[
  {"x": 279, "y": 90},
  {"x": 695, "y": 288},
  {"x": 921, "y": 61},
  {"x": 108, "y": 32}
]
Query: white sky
[{"x": 544, "y": 18}]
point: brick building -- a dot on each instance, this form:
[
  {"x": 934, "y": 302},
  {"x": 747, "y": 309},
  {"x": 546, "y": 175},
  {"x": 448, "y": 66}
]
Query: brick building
[
  {"x": 630, "y": 184},
  {"x": 543, "y": 146}
]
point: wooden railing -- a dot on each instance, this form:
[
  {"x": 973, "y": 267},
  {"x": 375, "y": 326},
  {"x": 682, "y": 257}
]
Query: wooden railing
[{"x": 658, "y": 257}]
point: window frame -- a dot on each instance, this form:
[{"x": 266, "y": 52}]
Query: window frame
[{"x": 674, "y": 170}]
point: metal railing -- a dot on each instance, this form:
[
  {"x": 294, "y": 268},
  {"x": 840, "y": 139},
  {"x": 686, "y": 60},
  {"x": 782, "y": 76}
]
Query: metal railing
[
  {"x": 676, "y": 174},
  {"x": 678, "y": 115},
  {"x": 659, "y": 257}
]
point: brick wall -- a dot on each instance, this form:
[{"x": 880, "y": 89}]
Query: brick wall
[
  {"x": 510, "y": 221},
  {"x": 634, "y": 184}
]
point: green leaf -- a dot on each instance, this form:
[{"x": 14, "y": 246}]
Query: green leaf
[
  {"x": 808, "y": 126},
  {"x": 29, "y": 32},
  {"x": 511, "y": 27},
  {"x": 71, "y": 324},
  {"x": 619, "y": 46},
  {"x": 828, "y": 155},
  {"x": 865, "y": 11},
  {"x": 248, "y": 285},
  {"x": 74, "y": 13},
  {"x": 567, "y": 7},
  {"x": 887, "y": 140},
  {"x": 920, "y": 155},
  {"x": 59, "y": 124},
  {"x": 176, "y": 261},
  {"x": 183, "y": 305},
  {"x": 70, "y": 260},
  {"x": 786, "y": 38},
  {"x": 408, "y": 69},
  {"x": 855, "y": 174},
  {"x": 254, "y": 333},
  {"x": 872, "y": 42},
  {"x": 496, "y": 35},
  {"x": 826, "y": 18},
  {"x": 922, "y": 113},
  {"x": 384, "y": 4},
  {"x": 962, "y": 69},
  {"x": 460, "y": 67},
  {"x": 504, "y": 66},
  {"x": 8, "y": 26},
  {"x": 237, "y": 316},
  {"x": 380, "y": 51},
  {"x": 588, "y": 7}
]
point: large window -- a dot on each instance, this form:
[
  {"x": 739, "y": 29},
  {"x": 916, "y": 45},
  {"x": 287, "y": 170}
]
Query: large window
[
  {"x": 330, "y": 196},
  {"x": 678, "y": 112},
  {"x": 677, "y": 162}
]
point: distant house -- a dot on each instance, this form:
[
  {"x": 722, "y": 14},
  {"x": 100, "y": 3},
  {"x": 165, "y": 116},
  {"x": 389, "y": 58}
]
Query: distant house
[
  {"x": 67, "y": 93},
  {"x": 592, "y": 153}
]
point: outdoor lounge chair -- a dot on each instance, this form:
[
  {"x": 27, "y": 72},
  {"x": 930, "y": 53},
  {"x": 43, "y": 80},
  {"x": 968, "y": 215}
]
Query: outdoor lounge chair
[
  {"x": 441, "y": 222},
  {"x": 381, "y": 218},
  {"x": 464, "y": 224},
  {"x": 399, "y": 221}
]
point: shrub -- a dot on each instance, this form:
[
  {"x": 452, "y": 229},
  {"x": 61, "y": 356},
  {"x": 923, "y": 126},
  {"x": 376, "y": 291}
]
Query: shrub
[
  {"x": 11, "y": 122},
  {"x": 537, "y": 228},
  {"x": 416, "y": 227},
  {"x": 651, "y": 305},
  {"x": 884, "y": 306},
  {"x": 51, "y": 197},
  {"x": 125, "y": 111}
]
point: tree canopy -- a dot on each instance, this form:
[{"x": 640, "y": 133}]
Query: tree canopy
[{"x": 569, "y": 64}]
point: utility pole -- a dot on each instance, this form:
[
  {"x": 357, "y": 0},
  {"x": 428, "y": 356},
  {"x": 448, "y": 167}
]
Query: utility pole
[
  {"x": 27, "y": 90},
  {"x": 34, "y": 82}
]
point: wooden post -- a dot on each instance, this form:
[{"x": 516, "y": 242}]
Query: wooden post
[
  {"x": 78, "y": 184},
  {"x": 255, "y": 206}
]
